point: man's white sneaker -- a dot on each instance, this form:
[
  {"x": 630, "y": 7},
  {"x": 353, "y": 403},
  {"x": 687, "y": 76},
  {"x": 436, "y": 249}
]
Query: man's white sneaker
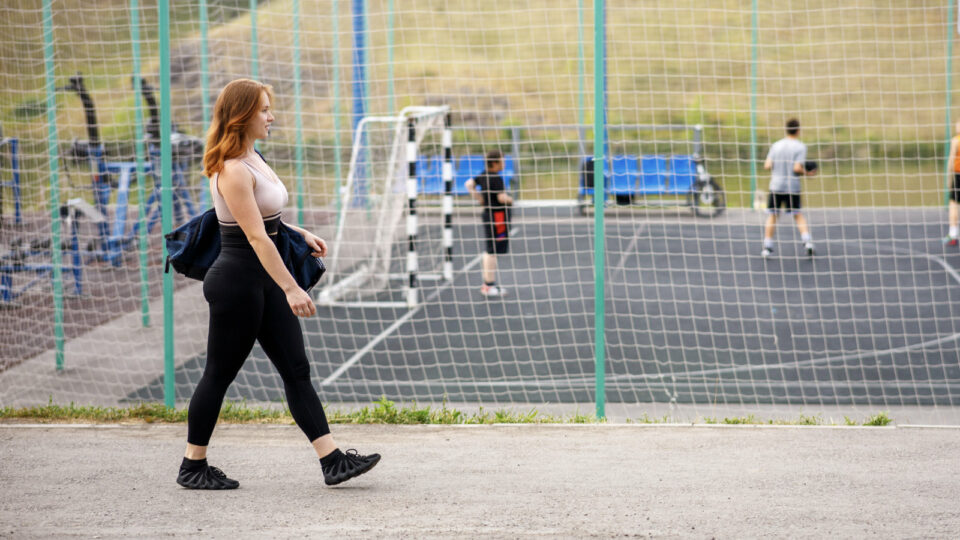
[
  {"x": 766, "y": 253},
  {"x": 809, "y": 247},
  {"x": 488, "y": 290}
]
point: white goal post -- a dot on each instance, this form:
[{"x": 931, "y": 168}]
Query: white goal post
[{"x": 382, "y": 182}]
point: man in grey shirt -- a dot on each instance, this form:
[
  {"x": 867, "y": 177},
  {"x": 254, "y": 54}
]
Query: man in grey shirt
[{"x": 787, "y": 162}]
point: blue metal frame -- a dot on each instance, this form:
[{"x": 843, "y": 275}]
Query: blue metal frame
[
  {"x": 121, "y": 239},
  {"x": 14, "y": 182},
  {"x": 17, "y": 262}
]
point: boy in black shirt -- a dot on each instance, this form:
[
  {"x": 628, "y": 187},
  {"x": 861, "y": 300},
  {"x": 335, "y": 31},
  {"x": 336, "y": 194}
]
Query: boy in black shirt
[{"x": 494, "y": 218}]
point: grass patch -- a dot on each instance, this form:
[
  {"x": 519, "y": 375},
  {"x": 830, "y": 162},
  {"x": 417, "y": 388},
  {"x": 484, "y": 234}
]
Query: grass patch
[
  {"x": 382, "y": 411},
  {"x": 879, "y": 419},
  {"x": 736, "y": 420}
]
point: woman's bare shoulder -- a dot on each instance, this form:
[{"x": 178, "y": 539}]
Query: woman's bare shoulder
[
  {"x": 235, "y": 174},
  {"x": 234, "y": 168}
]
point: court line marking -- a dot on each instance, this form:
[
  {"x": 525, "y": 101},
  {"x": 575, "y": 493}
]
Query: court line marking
[
  {"x": 737, "y": 369},
  {"x": 680, "y": 376},
  {"x": 619, "y": 268},
  {"x": 939, "y": 260},
  {"x": 627, "y": 381},
  {"x": 399, "y": 322},
  {"x": 830, "y": 359},
  {"x": 798, "y": 363},
  {"x": 546, "y": 203}
]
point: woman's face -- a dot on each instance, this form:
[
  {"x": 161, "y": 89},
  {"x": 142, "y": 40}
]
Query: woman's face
[{"x": 259, "y": 127}]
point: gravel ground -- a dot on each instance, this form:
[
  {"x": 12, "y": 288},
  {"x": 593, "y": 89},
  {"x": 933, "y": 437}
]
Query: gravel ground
[{"x": 489, "y": 481}]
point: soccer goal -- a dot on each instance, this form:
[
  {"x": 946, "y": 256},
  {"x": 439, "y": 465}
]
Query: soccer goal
[{"x": 375, "y": 260}]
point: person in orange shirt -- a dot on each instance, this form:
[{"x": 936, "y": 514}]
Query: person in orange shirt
[
  {"x": 954, "y": 213},
  {"x": 489, "y": 189}
]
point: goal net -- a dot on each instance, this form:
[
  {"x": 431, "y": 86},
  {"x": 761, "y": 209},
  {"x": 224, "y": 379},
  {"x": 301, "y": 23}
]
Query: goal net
[
  {"x": 380, "y": 237},
  {"x": 662, "y": 305}
]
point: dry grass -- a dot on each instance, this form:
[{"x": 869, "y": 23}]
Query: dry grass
[{"x": 867, "y": 77}]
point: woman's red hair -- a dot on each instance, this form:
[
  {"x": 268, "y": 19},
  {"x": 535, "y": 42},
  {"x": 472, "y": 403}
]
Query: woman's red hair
[{"x": 236, "y": 105}]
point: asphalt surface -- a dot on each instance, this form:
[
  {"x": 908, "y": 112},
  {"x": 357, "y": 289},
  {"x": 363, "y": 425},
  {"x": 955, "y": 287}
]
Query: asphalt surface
[
  {"x": 694, "y": 315},
  {"x": 487, "y": 482}
]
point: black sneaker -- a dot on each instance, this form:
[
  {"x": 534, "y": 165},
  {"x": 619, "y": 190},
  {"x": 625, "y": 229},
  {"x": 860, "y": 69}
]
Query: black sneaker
[
  {"x": 205, "y": 478},
  {"x": 351, "y": 464}
]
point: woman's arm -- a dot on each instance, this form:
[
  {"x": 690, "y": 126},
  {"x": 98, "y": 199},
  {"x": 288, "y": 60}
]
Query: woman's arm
[
  {"x": 316, "y": 243},
  {"x": 235, "y": 184}
]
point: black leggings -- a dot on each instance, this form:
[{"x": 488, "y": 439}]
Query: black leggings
[{"x": 247, "y": 305}]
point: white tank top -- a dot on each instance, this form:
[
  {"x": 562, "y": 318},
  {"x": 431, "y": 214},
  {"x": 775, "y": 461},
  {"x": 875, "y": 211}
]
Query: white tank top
[{"x": 270, "y": 194}]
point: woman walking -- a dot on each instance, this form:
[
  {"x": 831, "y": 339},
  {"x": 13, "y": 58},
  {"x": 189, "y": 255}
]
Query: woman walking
[{"x": 252, "y": 295}]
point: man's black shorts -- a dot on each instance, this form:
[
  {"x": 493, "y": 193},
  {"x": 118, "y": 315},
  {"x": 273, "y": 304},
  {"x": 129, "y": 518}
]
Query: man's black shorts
[
  {"x": 496, "y": 228},
  {"x": 790, "y": 202},
  {"x": 955, "y": 189}
]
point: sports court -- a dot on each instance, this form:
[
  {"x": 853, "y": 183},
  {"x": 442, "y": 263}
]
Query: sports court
[
  {"x": 659, "y": 375},
  {"x": 694, "y": 315}
]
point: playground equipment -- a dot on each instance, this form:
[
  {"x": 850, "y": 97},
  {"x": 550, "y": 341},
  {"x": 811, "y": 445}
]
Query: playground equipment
[
  {"x": 32, "y": 256},
  {"x": 22, "y": 256},
  {"x": 92, "y": 150},
  {"x": 632, "y": 180},
  {"x": 186, "y": 150},
  {"x": 113, "y": 238},
  {"x": 10, "y": 164}
]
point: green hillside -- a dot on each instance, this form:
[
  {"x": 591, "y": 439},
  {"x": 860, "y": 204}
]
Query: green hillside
[{"x": 866, "y": 77}]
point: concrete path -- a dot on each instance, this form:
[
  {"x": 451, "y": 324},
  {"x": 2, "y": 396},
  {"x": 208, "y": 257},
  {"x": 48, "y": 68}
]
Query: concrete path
[{"x": 488, "y": 482}]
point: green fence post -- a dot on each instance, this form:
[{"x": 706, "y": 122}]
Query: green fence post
[
  {"x": 950, "y": 31},
  {"x": 581, "y": 101},
  {"x": 54, "y": 166},
  {"x": 166, "y": 196},
  {"x": 297, "y": 105},
  {"x": 337, "y": 167},
  {"x": 366, "y": 59},
  {"x": 205, "y": 79},
  {"x": 390, "y": 103},
  {"x": 204, "y": 65},
  {"x": 599, "y": 199},
  {"x": 254, "y": 49},
  {"x": 143, "y": 242},
  {"x": 753, "y": 105}
]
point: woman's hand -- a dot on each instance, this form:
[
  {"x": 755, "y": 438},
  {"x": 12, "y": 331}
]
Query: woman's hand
[
  {"x": 300, "y": 302},
  {"x": 316, "y": 243}
]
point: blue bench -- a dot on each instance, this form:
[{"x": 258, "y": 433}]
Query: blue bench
[
  {"x": 623, "y": 178},
  {"x": 683, "y": 174},
  {"x": 653, "y": 176},
  {"x": 467, "y": 168},
  {"x": 430, "y": 173},
  {"x": 646, "y": 175},
  {"x": 509, "y": 171}
]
